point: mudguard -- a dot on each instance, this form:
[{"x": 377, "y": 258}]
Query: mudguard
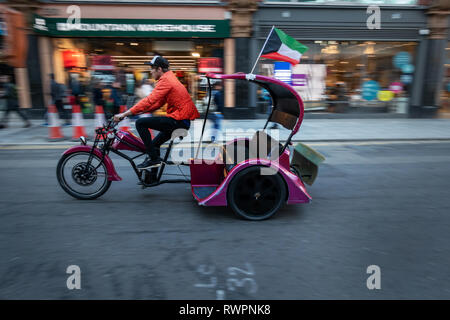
[{"x": 112, "y": 174}]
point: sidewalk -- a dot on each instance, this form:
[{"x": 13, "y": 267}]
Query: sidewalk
[{"x": 312, "y": 130}]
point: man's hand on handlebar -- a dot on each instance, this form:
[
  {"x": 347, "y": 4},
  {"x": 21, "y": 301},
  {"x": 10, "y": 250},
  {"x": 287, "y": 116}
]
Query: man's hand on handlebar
[{"x": 119, "y": 117}]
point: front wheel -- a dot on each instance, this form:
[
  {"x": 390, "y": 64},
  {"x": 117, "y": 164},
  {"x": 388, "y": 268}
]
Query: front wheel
[
  {"x": 82, "y": 180},
  {"x": 256, "y": 193}
]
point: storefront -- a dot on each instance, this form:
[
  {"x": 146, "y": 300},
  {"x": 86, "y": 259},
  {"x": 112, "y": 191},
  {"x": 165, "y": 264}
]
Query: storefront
[
  {"x": 445, "y": 90},
  {"x": 100, "y": 51},
  {"x": 349, "y": 67}
]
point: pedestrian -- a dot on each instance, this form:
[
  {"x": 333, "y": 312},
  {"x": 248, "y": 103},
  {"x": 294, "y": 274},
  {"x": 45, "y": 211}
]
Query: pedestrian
[
  {"x": 12, "y": 102},
  {"x": 58, "y": 93},
  {"x": 217, "y": 114},
  {"x": 116, "y": 97},
  {"x": 97, "y": 94},
  {"x": 75, "y": 87},
  {"x": 180, "y": 111}
]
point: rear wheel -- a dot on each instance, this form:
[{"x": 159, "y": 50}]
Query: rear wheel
[
  {"x": 81, "y": 180},
  {"x": 253, "y": 194}
]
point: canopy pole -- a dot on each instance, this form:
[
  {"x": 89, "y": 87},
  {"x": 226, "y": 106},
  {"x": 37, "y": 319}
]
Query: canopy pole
[
  {"x": 206, "y": 117},
  {"x": 256, "y": 62}
]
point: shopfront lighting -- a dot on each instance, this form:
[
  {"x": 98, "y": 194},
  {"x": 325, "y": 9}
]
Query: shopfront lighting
[
  {"x": 134, "y": 44},
  {"x": 332, "y": 49},
  {"x": 369, "y": 50},
  {"x": 119, "y": 43},
  {"x": 196, "y": 54}
]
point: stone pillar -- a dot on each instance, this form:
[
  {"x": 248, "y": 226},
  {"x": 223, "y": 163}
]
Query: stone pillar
[
  {"x": 45, "y": 56},
  {"x": 438, "y": 15},
  {"x": 23, "y": 87},
  {"x": 229, "y": 69},
  {"x": 241, "y": 31}
]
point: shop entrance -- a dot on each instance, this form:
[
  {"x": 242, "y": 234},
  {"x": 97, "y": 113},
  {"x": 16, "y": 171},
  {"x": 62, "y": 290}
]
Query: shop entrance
[{"x": 117, "y": 67}]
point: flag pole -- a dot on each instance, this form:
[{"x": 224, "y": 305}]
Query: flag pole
[{"x": 256, "y": 62}]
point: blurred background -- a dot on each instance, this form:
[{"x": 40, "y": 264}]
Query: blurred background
[
  {"x": 376, "y": 100},
  {"x": 401, "y": 69}
]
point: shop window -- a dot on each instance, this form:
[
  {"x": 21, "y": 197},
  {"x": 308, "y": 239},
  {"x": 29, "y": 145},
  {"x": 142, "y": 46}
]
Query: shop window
[
  {"x": 361, "y": 2},
  {"x": 444, "y": 109},
  {"x": 353, "y": 76}
]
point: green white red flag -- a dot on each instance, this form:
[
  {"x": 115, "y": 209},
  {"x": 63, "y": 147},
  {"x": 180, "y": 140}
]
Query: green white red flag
[{"x": 279, "y": 46}]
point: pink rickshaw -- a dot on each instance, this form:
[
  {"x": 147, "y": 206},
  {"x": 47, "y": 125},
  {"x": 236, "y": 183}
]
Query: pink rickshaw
[{"x": 254, "y": 176}]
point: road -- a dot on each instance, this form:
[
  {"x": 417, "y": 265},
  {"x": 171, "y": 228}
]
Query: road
[{"x": 381, "y": 203}]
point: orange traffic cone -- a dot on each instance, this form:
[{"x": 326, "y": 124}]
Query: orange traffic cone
[
  {"x": 100, "y": 119},
  {"x": 77, "y": 123},
  {"x": 125, "y": 123},
  {"x": 54, "y": 132}
]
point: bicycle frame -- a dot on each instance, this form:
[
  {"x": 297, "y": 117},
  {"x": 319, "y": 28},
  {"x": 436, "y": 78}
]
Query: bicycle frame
[{"x": 114, "y": 140}]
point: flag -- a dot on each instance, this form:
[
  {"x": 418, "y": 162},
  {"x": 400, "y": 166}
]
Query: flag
[{"x": 280, "y": 46}]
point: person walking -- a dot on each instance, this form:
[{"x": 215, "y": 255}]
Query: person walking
[
  {"x": 12, "y": 102},
  {"x": 58, "y": 93},
  {"x": 217, "y": 115}
]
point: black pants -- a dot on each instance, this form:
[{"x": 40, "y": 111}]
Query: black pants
[
  {"x": 14, "y": 107},
  {"x": 165, "y": 126},
  {"x": 62, "y": 111}
]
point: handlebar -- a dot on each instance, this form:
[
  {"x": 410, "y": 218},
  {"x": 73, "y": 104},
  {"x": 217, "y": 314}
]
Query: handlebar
[{"x": 111, "y": 124}]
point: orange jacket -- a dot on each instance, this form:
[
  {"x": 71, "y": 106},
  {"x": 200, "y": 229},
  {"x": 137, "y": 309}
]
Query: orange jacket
[{"x": 169, "y": 89}]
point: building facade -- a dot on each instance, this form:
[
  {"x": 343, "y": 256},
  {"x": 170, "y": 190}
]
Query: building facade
[
  {"x": 393, "y": 57},
  {"x": 358, "y": 61}
]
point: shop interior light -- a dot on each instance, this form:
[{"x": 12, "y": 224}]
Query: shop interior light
[
  {"x": 134, "y": 44},
  {"x": 369, "y": 50},
  {"x": 196, "y": 54},
  {"x": 119, "y": 43},
  {"x": 333, "y": 49}
]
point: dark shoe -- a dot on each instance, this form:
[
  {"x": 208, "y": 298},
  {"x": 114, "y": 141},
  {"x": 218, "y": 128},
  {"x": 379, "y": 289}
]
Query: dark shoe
[
  {"x": 27, "y": 125},
  {"x": 149, "y": 163},
  {"x": 3, "y": 126}
]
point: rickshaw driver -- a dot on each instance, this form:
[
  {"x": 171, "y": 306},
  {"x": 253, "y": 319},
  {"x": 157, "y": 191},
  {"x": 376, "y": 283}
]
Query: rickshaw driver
[{"x": 181, "y": 109}]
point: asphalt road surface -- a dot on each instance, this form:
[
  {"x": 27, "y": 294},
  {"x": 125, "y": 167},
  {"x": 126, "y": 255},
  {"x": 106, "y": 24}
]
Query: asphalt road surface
[{"x": 382, "y": 204}]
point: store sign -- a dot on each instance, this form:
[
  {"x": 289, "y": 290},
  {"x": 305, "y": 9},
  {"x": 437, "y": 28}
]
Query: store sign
[
  {"x": 206, "y": 65},
  {"x": 73, "y": 59},
  {"x": 282, "y": 71},
  {"x": 299, "y": 80},
  {"x": 309, "y": 80},
  {"x": 133, "y": 28},
  {"x": 102, "y": 63}
]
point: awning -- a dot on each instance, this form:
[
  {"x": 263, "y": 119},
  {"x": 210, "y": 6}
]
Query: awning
[{"x": 137, "y": 28}]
